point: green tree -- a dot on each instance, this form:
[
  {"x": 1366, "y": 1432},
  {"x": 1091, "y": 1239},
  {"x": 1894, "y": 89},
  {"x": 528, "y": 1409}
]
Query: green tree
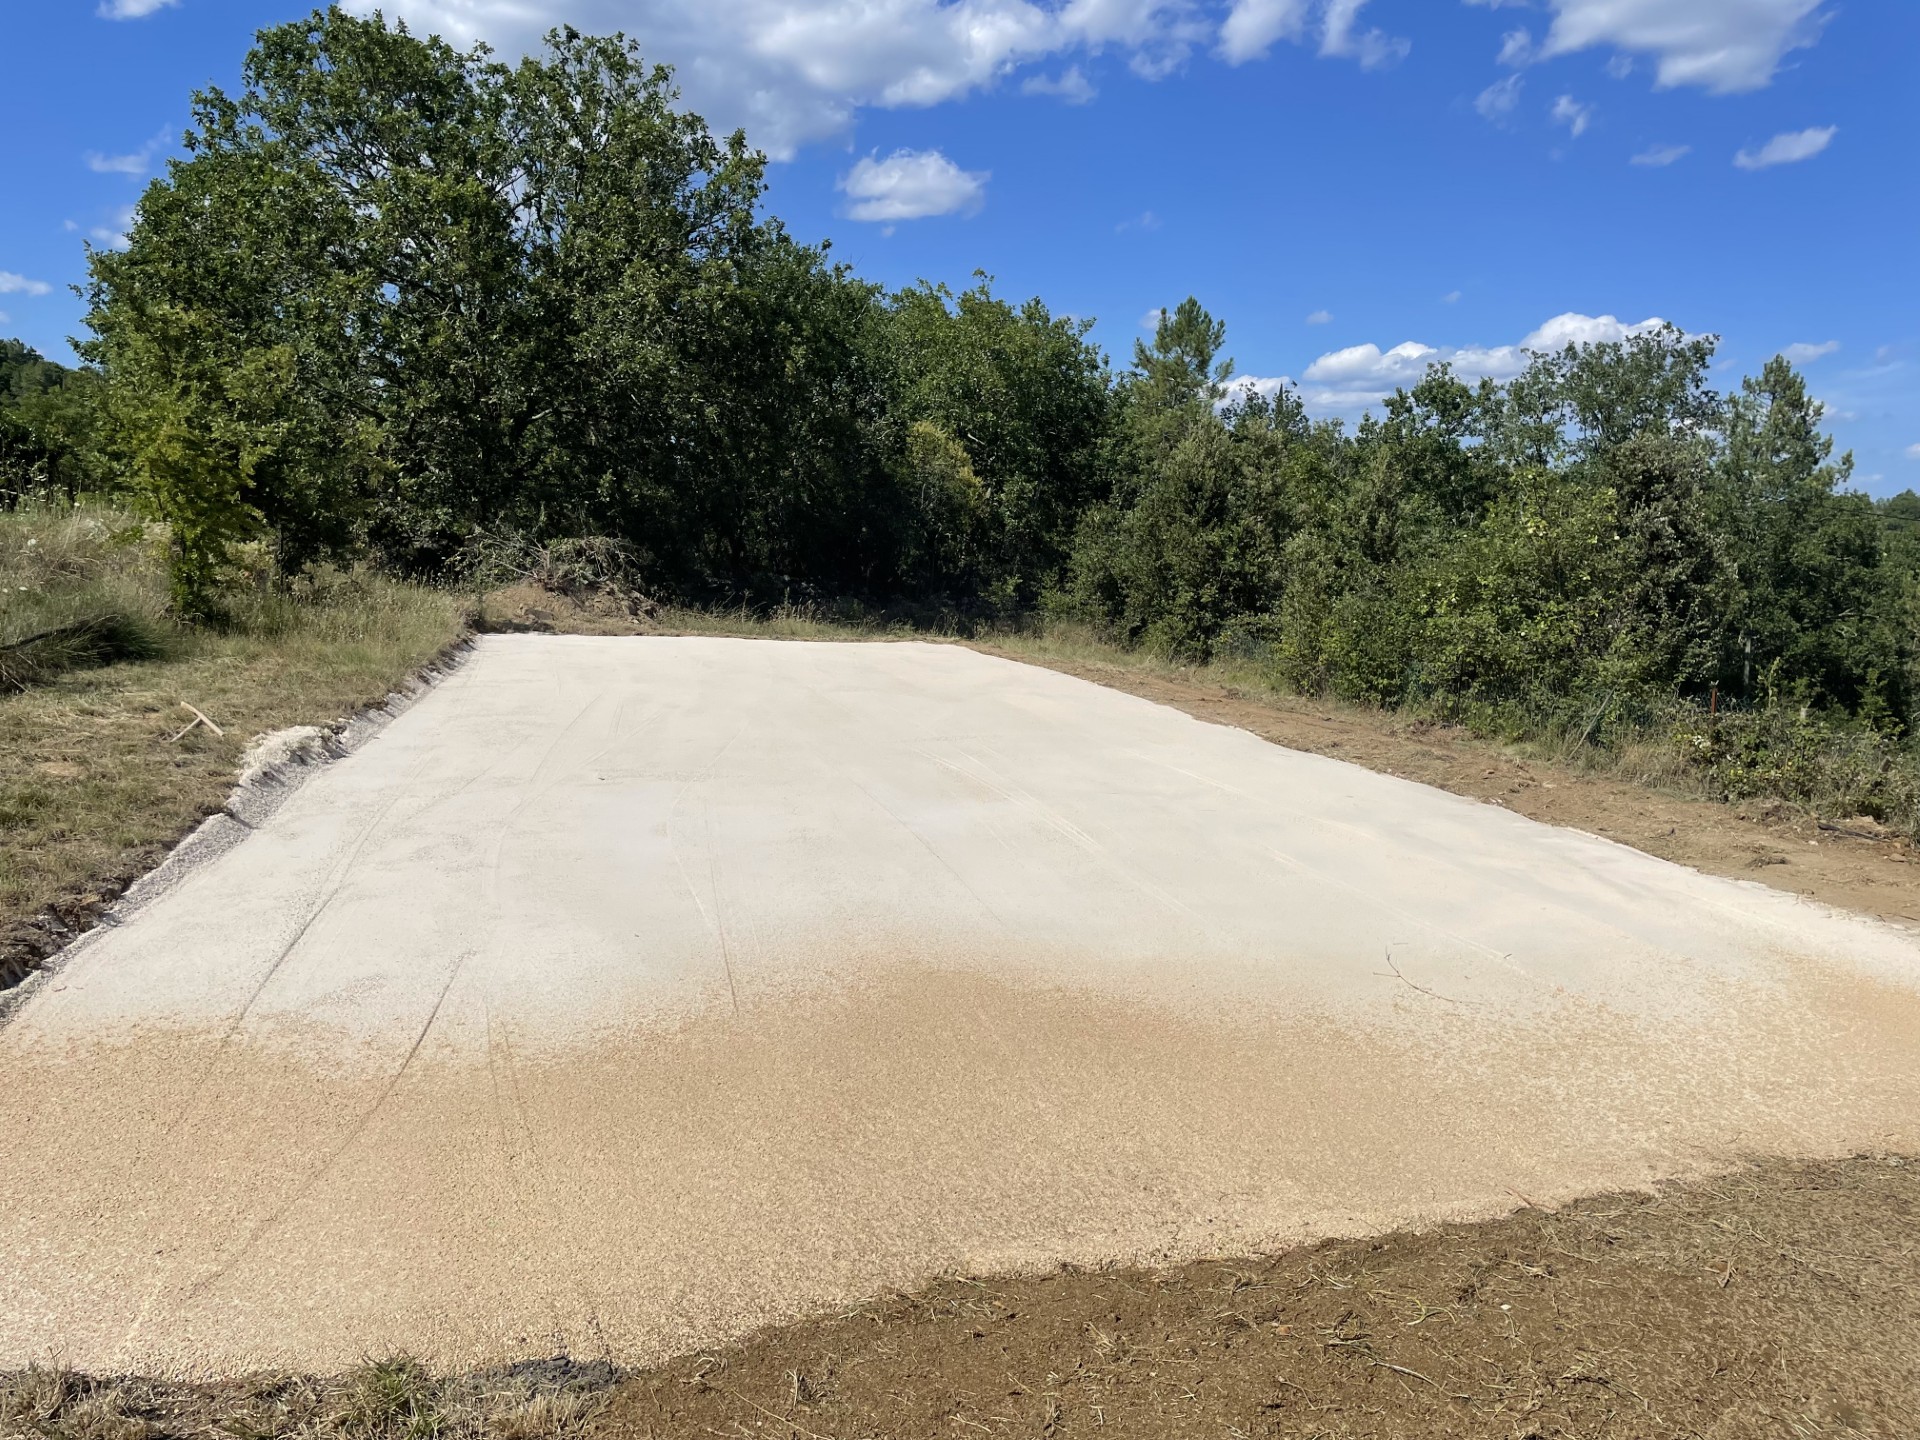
[
  {"x": 534, "y": 297},
  {"x": 1815, "y": 606},
  {"x": 1026, "y": 397}
]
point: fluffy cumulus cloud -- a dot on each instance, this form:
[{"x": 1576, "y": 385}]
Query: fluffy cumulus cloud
[
  {"x": 792, "y": 71},
  {"x": 1787, "y": 149},
  {"x": 1724, "y": 46},
  {"x": 1243, "y": 387},
  {"x": 133, "y": 9},
  {"x": 1345, "y": 382},
  {"x": 12, "y": 284},
  {"x": 911, "y": 185}
]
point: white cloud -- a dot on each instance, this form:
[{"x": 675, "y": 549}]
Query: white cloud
[
  {"x": 1658, "y": 155},
  {"x": 134, "y": 164},
  {"x": 1496, "y": 102},
  {"x": 1516, "y": 48},
  {"x": 1252, "y": 28},
  {"x": 1452, "y": 297},
  {"x": 794, "y": 71},
  {"x": 912, "y": 185},
  {"x": 1913, "y": 452},
  {"x": 114, "y": 236},
  {"x": 1151, "y": 320},
  {"x": 791, "y": 71},
  {"x": 5, "y": 319},
  {"x": 1802, "y": 353},
  {"x": 1145, "y": 220},
  {"x": 1351, "y": 380},
  {"x": 1239, "y": 387},
  {"x": 1372, "y": 47},
  {"x": 132, "y": 9},
  {"x": 1320, "y": 317},
  {"x": 1573, "y": 328},
  {"x": 12, "y": 284},
  {"x": 1724, "y": 46},
  {"x": 1786, "y": 149},
  {"x": 1070, "y": 85},
  {"x": 137, "y": 163},
  {"x": 1571, "y": 113}
]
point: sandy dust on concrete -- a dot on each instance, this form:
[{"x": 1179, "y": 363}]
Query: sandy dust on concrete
[{"x": 627, "y": 994}]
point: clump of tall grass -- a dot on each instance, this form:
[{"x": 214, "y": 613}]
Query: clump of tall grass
[
  {"x": 79, "y": 586},
  {"x": 567, "y": 566}
]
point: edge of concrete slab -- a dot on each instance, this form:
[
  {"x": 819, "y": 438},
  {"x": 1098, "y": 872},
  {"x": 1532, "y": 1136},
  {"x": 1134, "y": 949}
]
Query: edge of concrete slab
[{"x": 275, "y": 766}]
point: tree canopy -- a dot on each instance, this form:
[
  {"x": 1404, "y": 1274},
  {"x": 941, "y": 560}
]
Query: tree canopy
[{"x": 398, "y": 296}]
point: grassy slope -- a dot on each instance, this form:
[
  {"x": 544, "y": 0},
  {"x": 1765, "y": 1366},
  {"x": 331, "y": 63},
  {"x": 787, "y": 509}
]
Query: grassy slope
[{"x": 93, "y": 785}]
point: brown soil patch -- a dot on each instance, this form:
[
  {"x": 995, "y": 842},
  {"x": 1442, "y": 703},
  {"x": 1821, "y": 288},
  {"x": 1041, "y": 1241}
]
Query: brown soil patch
[
  {"x": 1843, "y": 865},
  {"x": 1781, "y": 1301}
]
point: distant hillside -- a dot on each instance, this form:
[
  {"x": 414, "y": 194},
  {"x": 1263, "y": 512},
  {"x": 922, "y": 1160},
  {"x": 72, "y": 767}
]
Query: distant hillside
[{"x": 25, "y": 372}]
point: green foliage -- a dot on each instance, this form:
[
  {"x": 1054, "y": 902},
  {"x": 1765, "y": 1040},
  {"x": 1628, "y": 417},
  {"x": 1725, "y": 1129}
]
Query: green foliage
[
  {"x": 1841, "y": 767},
  {"x": 1025, "y": 399},
  {"x": 409, "y": 303},
  {"x": 536, "y": 298},
  {"x": 47, "y": 427}
]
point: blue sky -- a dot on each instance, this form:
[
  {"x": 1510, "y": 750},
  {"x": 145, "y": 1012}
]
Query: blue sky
[{"x": 1356, "y": 186}]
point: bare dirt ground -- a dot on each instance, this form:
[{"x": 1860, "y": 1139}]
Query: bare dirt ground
[{"x": 1779, "y": 1301}]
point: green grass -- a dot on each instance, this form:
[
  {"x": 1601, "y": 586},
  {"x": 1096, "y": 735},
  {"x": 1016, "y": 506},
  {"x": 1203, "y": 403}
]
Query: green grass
[{"x": 93, "y": 785}]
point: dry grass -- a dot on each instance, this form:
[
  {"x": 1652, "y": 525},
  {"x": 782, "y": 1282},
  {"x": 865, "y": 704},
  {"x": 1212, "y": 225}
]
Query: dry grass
[
  {"x": 93, "y": 785},
  {"x": 1778, "y": 1302},
  {"x": 392, "y": 1399}
]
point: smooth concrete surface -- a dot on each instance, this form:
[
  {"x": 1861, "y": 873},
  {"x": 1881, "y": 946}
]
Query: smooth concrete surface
[{"x": 626, "y": 994}]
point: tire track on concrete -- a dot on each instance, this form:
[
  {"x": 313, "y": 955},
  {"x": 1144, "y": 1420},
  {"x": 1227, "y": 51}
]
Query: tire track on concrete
[
  {"x": 272, "y": 1219},
  {"x": 224, "y": 1069}
]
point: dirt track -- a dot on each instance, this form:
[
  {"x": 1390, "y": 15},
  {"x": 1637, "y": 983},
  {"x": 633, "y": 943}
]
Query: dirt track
[{"x": 627, "y": 994}]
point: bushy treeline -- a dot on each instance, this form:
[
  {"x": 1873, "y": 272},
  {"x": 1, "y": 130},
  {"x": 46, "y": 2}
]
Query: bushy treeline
[
  {"x": 399, "y": 298},
  {"x": 47, "y": 415},
  {"x": 399, "y": 295},
  {"x": 1607, "y": 522}
]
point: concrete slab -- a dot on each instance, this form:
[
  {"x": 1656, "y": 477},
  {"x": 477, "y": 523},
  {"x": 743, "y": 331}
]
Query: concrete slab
[{"x": 625, "y": 994}]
